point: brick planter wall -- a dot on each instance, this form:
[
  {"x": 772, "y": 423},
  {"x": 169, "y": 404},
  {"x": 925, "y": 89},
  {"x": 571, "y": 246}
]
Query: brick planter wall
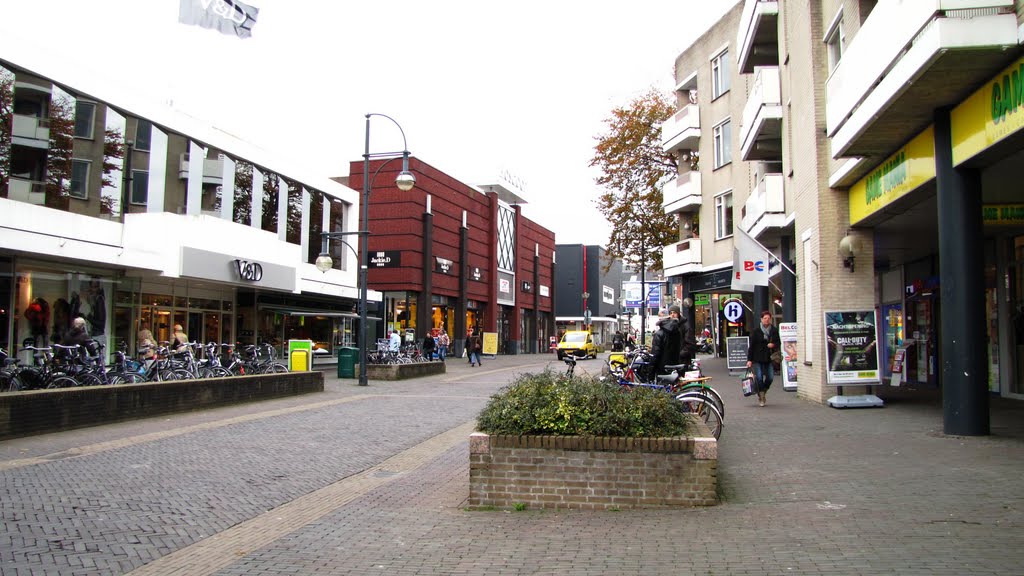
[
  {"x": 42, "y": 411},
  {"x": 592, "y": 473},
  {"x": 403, "y": 371}
]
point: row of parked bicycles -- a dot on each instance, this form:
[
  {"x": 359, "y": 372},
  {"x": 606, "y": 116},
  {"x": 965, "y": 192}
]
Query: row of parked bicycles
[
  {"x": 407, "y": 354},
  {"x": 686, "y": 382},
  {"x": 58, "y": 366}
]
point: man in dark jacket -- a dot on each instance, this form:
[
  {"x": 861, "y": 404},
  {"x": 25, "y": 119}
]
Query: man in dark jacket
[
  {"x": 665, "y": 345},
  {"x": 687, "y": 341}
]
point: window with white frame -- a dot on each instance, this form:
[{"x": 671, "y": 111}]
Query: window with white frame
[
  {"x": 85, "y": 114},
  {"x": 720, "y": 74},
  {"x": 79, "y": 179},
  {"x": 723, "y": 143},
  {"x": 835, "y": 42},
  {"x": 723, "y": 215},
  {"x": 140, "y": 187}
]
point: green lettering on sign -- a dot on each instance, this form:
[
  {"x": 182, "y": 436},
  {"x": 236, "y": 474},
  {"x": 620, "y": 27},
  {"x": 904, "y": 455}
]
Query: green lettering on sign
[{"x": 1003, "y": 214}]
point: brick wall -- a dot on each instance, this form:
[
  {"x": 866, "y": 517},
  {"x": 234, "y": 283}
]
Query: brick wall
[
  {"x": 592, "y": 473},
  {"x": 43, "y": 411}
]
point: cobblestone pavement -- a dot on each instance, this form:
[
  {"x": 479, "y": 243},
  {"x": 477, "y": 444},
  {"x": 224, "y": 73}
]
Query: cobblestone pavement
[{"x": 374, "y": 481}]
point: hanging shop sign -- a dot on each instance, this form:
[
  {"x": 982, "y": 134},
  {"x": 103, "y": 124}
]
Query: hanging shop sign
[
  {"x": 1002, "y": 214},
  {"x": 852, "y": 347},
  {"x": 475, "y": 274},
  {"x": 990, "y": 115},
  {"x": 527, "y": 286},
  {"x": 702, "y": 299},
  {"x": 909, "y": 168},
  {"x": 442, "y": 265},
  {"x": 386, "y": 259},
  {"x": 545, "y": 291}
]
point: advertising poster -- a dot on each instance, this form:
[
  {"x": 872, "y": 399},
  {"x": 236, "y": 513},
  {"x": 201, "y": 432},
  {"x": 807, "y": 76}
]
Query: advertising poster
[
  {"x": 490, "y": 343},
  {"x": 787, "y": 334},
  {"x": 851, "y": 340}
]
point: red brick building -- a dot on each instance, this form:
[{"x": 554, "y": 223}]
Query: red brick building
[{"x": 454, "y": 256}]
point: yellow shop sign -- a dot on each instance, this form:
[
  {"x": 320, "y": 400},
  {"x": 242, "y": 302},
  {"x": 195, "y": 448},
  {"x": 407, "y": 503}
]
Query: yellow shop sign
[
  {"x": 1002, "y": 214},
  {"x": 904, "y": 171},
  {"x": 989, "y": 115}
]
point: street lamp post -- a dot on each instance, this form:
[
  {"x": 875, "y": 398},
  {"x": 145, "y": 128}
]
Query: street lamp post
[{"x": 405, "y": 182}]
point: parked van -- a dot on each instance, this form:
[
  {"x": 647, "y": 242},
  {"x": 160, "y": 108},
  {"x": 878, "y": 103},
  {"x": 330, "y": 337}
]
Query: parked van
[{"x": 578, "y": 343}]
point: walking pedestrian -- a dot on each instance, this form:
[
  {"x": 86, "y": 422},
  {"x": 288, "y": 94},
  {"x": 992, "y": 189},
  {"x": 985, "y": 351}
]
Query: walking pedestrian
[
  {"x": 475, "y": 346},
  {"x": 443, "y": 342},
  {"x": 428, "y": 346},
  {"x": 764, "y": 341}
]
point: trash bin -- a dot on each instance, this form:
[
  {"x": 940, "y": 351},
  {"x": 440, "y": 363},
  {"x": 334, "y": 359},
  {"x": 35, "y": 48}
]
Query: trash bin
[{"x": 347, "y": 362}]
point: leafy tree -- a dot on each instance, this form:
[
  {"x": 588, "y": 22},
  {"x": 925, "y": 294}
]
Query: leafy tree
[
  {"x": 6, "y": 126},
  {"x": 62, "y": 147},
  {"x": 634, "y": 168}
]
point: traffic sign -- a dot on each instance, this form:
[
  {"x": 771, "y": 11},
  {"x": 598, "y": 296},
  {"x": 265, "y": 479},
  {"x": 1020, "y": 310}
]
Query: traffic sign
[
  {"x": 733, "y": 311},
  {"x": 586, "y": 316}
]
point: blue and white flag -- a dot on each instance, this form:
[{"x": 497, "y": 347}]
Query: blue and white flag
[{"x": 230, "y": 17}]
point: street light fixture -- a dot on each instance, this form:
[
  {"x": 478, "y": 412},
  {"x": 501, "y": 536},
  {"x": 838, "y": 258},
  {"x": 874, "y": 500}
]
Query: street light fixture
[{"x": 405, "y": 182}]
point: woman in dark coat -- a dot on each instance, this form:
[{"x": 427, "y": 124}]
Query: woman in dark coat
[{"x": 764, "y": 341}]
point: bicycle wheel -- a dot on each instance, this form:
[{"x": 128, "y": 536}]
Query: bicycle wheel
[
  {"x": 165, "y": 375},
  {"x": 705, "y": 410},
  {"x": 126, "y": 378},
  {"x": 275, "y": 368},
  {"x": 184, "y": 374},
  {"x": 708, "y": 391},
  {"x": 9, "y": 382},
  {"x": 88, "y": 379},
  {"x": 215, "y": 372},
  {"x": 61, "y": 381}
]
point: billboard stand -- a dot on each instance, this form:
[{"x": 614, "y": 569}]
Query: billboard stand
[{"x": 851, "y": 350}]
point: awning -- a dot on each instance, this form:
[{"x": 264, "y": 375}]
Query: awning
[{"x": 291, "y": 311}]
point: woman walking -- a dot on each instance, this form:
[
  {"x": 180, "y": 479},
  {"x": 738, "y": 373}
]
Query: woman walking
[{"x": 764, "y": 341}]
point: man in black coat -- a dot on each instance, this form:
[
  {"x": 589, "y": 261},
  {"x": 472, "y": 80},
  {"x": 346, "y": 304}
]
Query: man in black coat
[
  {"x": 687, "y": 341},
  {"x": 665, "y": 345},
  {"x": 764, "y": 340}
]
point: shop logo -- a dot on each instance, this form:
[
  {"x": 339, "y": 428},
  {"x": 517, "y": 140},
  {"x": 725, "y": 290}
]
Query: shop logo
[
  {"x": 752, "y": 266},
  {"x": 251, "y": 271}
]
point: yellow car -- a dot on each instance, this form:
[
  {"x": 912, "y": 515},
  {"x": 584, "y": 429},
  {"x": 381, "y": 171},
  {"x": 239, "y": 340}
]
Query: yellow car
[{"x": 579, "y": 343}]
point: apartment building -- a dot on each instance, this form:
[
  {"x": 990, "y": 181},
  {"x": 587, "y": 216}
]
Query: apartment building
[
  {"x": 713, "y": 185},
  {"x": 883, "y": 136},
  {"x": 135, "y": 215}
]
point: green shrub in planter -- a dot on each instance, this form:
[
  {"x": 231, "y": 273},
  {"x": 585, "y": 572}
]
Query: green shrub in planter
[{"x": 547, "y": 403}]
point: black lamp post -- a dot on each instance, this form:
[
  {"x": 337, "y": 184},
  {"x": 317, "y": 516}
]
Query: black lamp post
[{"x": 405, "y": 182}]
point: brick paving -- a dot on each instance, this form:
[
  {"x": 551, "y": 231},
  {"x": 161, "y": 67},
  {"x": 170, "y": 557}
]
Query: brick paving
[{"x": 374, "y": 480}]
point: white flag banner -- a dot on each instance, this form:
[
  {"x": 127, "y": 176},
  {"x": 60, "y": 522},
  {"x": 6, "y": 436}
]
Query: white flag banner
[
  {"x": 229, "y": 17},
  {"x": 750, "y": 262}
]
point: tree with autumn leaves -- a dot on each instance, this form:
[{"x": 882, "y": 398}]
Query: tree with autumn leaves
[{"x": 634, "y": 168}]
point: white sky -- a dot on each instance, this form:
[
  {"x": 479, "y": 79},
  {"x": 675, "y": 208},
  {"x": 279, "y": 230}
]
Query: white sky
[{"x": 477, "y": 86}]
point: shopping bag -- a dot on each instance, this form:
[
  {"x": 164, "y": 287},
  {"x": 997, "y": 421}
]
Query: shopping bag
[{"x": 747, "y": 383}]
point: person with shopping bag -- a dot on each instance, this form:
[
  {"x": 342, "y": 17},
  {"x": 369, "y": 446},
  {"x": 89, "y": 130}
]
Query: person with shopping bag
[{"x": 764, "y": 341}]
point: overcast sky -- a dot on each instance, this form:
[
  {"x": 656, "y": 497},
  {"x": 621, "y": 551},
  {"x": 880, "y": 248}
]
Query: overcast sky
[{"x": 479, "y": 87}]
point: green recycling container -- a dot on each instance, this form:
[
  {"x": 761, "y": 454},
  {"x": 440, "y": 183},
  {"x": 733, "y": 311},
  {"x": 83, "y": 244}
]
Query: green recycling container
[{"x": 347, "y": 362}]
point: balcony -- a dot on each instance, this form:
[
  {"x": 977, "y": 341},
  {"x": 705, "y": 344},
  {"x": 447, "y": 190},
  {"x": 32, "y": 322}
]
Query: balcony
[
  {"x": 30, "y": 131},
  {"x": 906, "y": 61},
  {"x": 683, "y": 195},
  {"x": 28, "y": 191},
  {"x": 682, "y": 257},
  {"x": 766, "y": 207},
  {"x": 682, "y": 131},
  {"x": 758, "y": 35},
  {"x": 761, "y": 128},
  {"x": 213, "y": 169}
]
